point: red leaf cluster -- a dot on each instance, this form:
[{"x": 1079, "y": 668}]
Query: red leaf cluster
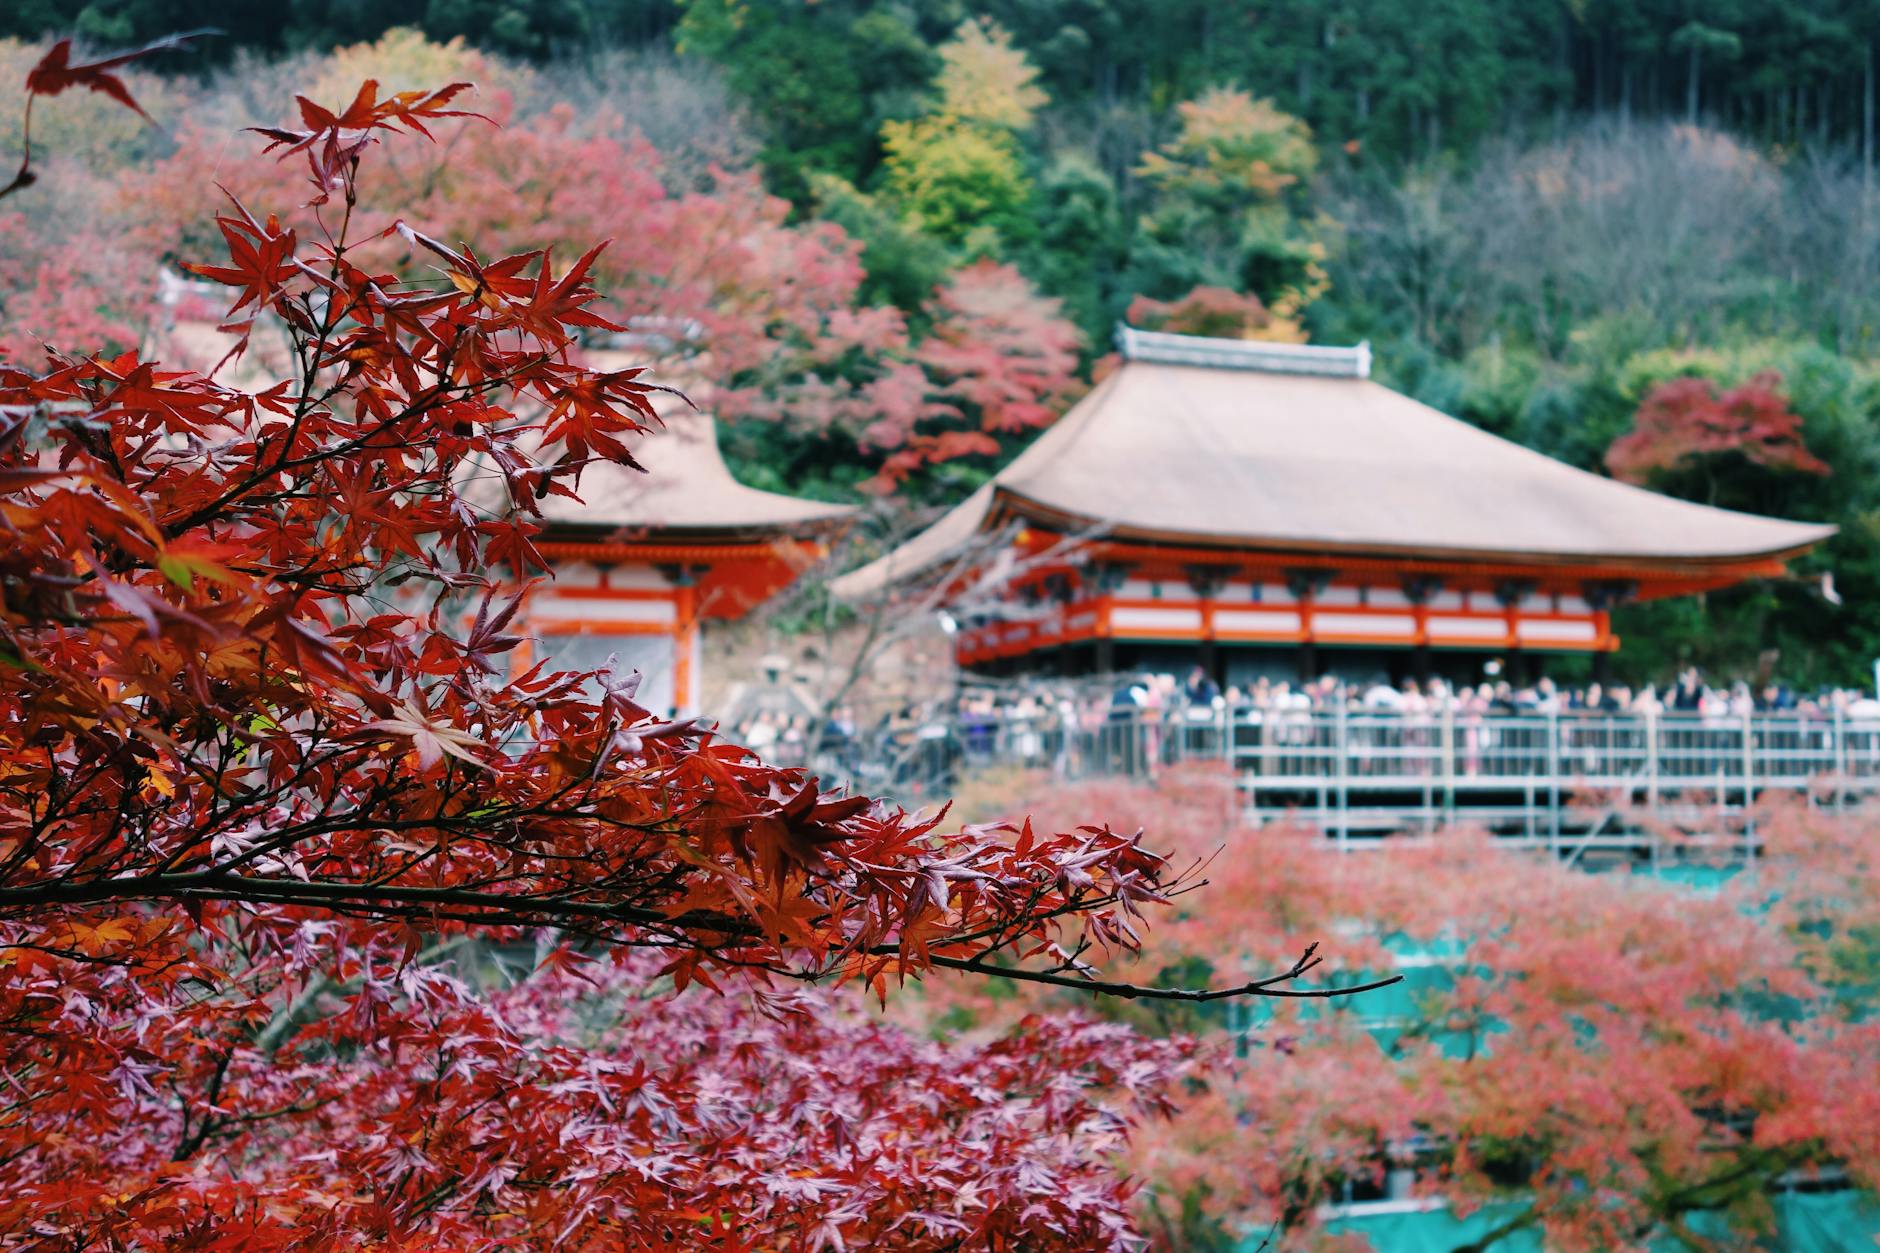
[
  {"x": 267, "y": 777},
  {"x": 54, "y": 73},
  {"x": 332, "y": 1096},
  {"x": 1683, "y": 421}
]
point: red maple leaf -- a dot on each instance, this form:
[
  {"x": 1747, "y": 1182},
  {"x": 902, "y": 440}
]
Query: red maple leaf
[{"x": 55, "y": 72}]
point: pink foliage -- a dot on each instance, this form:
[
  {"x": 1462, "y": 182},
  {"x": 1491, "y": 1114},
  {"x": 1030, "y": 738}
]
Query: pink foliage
[
  {"x": 758, "y": 314},
  {"x": 71, "y": 287},
  {"x": 1001, "y": 360},
  {"x": 1617, "y": 1049}
]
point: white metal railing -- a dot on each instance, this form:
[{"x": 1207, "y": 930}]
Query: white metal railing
[{"x": 1357, "y": 769}]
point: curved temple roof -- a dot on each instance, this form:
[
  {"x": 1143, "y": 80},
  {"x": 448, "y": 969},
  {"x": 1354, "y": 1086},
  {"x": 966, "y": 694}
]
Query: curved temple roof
[
  {"x": 687, "y": 488},
  {"x": 1266, "y": 446},
  {"x": 687, "y": 491}
]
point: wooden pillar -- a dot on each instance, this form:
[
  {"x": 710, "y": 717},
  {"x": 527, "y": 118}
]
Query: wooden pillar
[
  {"x": 1511, "y": 592},
  {"x": 1206, "y": 581},
  {"x": 684, "y": 579},
  {"x": 685, "y": 615}
]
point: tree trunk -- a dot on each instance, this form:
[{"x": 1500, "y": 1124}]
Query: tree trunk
[
  {"x": 1866, "y": 117},
  {"x": 1690, "y": 84}
]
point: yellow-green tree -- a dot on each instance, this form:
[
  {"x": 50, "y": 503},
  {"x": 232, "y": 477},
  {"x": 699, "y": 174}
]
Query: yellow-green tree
[
  {"x": 957, "y": 173},
  {"x": 1232, "y": 148},
  {"x": 987, "y": 81},
  {"x": 1227, "y": 193}
]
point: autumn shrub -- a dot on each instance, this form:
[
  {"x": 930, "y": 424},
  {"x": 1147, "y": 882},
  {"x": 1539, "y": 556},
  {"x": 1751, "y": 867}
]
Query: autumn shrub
[{"x": 1613, "y": 1052}]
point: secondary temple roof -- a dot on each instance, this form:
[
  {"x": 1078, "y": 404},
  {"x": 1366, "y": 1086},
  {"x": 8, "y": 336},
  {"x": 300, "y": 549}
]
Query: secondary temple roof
[
  {"x": 1232, "y": 444},
  {"x": 687, "y": 493},
  {"x": 687, "y": 489}
]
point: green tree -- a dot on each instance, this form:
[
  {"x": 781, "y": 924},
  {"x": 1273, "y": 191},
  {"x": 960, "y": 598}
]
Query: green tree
[
  {"x": 904, "y": 264},
  {"x": 1082, "y": 244},
  {"x": 823, "y": 77}
]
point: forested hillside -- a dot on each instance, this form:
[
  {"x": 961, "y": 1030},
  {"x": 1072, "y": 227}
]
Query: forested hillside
[{"x": 1640, "y": 242}]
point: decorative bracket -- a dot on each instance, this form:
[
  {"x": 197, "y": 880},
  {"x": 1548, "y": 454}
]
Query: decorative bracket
[
  {"x": 1307, "y": 582},
  {"x": 1106, "y": 576},
  {"x": 1207, "y": 580},
  {"x": 1604, "y": 594},
  {"x": 1510, "y": 592}
]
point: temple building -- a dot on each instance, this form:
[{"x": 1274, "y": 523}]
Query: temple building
[
  {"x": 1269, "y": 509},
  {"x": 640, "y": 562},
  {"x": 643, "y": 560}
]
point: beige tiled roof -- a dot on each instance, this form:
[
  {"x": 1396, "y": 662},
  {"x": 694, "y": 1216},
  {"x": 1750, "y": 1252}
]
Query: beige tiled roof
[
  {"x": 1248, "y": 450},
  {"x": 686, "y": 488}
]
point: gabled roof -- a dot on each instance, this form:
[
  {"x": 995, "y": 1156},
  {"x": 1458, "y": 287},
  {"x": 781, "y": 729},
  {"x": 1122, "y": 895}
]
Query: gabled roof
[{"x": 1223, "y": 443}]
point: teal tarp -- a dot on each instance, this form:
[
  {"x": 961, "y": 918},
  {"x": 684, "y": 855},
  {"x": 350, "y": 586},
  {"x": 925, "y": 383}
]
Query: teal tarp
[
  {"x": 1438, "y": 1230},
  {"x": 1806, "y": 1222}
]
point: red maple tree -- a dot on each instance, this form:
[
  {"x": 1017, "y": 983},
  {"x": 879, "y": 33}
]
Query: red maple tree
[
  {"x": 1686, "y": 425},
  {"x": 1215, "y": 311},
  {"x": 760, "y": 315},
  {"x": 321, "y": 928}
]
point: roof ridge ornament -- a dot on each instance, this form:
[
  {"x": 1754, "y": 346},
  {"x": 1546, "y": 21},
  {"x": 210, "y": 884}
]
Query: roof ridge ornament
[{"x": 1167, "y": 348}]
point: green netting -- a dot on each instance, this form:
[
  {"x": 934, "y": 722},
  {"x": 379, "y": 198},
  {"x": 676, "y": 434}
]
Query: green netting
[
  {"x": 1806, "y": 1222},
  {"x": 1436, "y": 1230},
  {"x": 1697, "y": 878},
  {"x": 1828, "y": 1222},
  {"x": 1440, "y": 948}
]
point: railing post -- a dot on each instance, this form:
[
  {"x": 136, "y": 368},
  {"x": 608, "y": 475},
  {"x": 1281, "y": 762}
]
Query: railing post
[
  {"x": 1553, "y": 780},
  {"x": 1840, "y": 762},
  {"x": 1651, "y": 761},
  {"x": 1449, "y": 761},
  {"x": 1749, "y": 783},
  {"x": 1342, "y": 732}
]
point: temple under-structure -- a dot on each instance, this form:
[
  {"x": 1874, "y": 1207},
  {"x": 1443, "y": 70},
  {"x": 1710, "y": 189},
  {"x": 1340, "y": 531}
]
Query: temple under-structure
[{"x": 1267, "y": 508}]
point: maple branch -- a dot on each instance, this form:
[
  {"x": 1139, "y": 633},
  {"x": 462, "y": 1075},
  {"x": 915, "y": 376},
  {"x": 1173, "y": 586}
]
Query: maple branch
[
  {"x": 1268, "y": 986},
  {"x": 53, "y": 75}
]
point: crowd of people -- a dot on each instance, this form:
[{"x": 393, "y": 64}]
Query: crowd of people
[{"x": 1689, "y": 694}]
